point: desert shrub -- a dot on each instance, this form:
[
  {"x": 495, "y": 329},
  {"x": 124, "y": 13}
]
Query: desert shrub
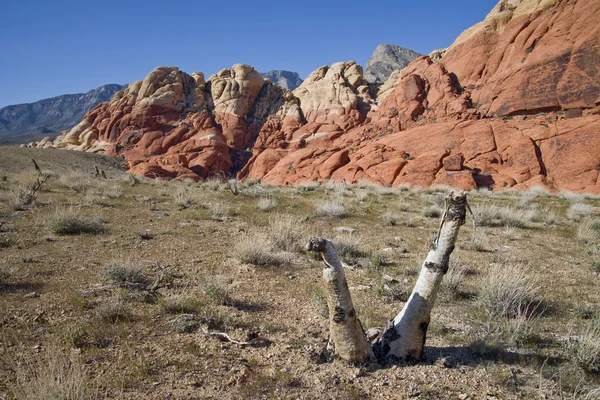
[
  {"x": 453, "y": 280},
  {"x": 180, "y": 304},
  {"x": 584, "y": 350},
  {"x": 183, "y": 198},
  {"x": 216, "y": 293},
  {"x": 119, "y": 272},
  {"x": 330, "y": 208},
  {"x": 115, "y": 310},
  {"x": 348, "y": 247},
  {"x": 286, "y": 233},
  {"x": 79, "y": 182},
  {"x": 509, "y": 290},
  {"x": 255, "y": 249},
  {"x": 266, "y": 204},
  {"x": 578, "y": 211},
  {"x": 432, "y": 212},
  {"x": 26, "y": 190},
  {"x": 213, "y": 183},
  {"x": 218, "y": 210},
  {"x": 69, "y": 221},
  {"x": 308, "y": 186},
  {"x": 486, "y": 214},
  {"x": 572, "y": 197},
  {"x": 52, "y": 375},
  {"x": 491, "y": 215},
  {"x": 517, "y": 330},
  {"x": 389, "y": 218}
]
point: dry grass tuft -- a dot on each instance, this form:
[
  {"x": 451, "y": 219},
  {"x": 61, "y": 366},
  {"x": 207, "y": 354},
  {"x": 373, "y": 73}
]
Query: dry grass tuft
[
  {"x": 256, "y": 249},
  {"x": 52, "y": 375},
  {"x": 286, "y": 233},
  {"x": 389, "y": 218},
  {"x": 183, "y": 198},
  {"x": 454, "y": 278},
  {"x": 266, "y": 204},
  {"x": 69, "y": 221},
  {"x": 331, "y": 208},
  {"x": 115, "y": 310},
  {"x": 588, "y": 231},
  {"x": 579, "y": 211},
  {"x": 509, "y": 290},
  {"x": 119, "y": 272},
  {"x": 584, "y": 350},
  {"x": 181, "y": 304}
]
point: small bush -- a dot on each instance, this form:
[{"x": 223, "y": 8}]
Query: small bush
[
  {"x": 509, "y": 290},
  {"x": 216, "y": 293},
  {"x": 389, "y": 219},
  {"x": 332, "y": 209},
  {"x": 588, "y": 231},
  {"x": 432, "y": 212},
  {"x": 453, "y": 281},
  {"x": 266, "y": 204},
  {"x": 578, "y": 211},
  {"x": 182, "y": 198},
  {"x": 584, "y": 350},
  {"x": 348, "y": 247},
  {"x": 257, "y": 250},
  {"x": 114, "y": 311},
  {"x": 308, "y": 186},
  {"x": 52, "y": 375},
  {"x": 218, "y": 210},
  {"x": 69, "y": 222},
  {"x": 117, "y": 273},
  {"x": 286, "y": 233},
  {"x": 179, "y": 304}
]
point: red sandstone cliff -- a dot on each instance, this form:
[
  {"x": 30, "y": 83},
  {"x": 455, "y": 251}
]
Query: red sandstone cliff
[{"x": 514, "y": 102}]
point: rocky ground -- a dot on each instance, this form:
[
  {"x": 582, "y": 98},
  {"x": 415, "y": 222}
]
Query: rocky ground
[{"x": 128, "y": 308}]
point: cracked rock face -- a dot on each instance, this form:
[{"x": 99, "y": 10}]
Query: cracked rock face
[{"x": 513, "y": 103}]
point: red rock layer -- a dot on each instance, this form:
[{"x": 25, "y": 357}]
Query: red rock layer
[{"x": 514, "y": 102}]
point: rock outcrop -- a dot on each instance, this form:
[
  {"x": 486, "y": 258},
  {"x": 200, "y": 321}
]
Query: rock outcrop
[
  {"x": 386, "y": 59},
  {"x": 284, "y": 79},
  {"x": 457, "y": 118},
  {"x": 531, "y": 56},
  {"x": 26, "y": 122}
]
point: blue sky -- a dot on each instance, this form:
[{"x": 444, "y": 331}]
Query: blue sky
[{"x": 49, "y": 48}]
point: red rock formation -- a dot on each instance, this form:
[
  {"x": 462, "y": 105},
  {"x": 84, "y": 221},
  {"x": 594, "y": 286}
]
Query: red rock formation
[{"x": 514, "y": 102}]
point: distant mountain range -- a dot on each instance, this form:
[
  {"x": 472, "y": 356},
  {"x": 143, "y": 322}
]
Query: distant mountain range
[
  {"x": 28, "y": 122},
  {"x": 386, "y": 59}
]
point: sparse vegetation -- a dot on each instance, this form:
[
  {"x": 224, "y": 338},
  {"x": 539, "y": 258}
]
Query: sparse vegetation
[
  {"x": 509, "y": 290},
  {"x": 331, "y": 209},
  {"x": 286, "y": 233},
  {"x": 578, "y": 211},
  {"x": 68, "y": 221},
  {"x": 94, "y": 295},
  {"x": 54, "y": 375},
  {"x": 114, "y": 310},
  {"x": 584, "y": 350}
]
